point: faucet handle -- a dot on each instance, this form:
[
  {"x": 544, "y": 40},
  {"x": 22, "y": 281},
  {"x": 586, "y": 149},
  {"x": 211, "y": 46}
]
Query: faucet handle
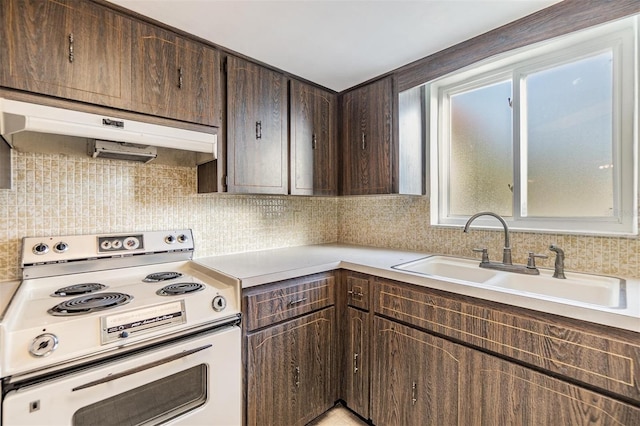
[
  {"x": 485, "y": 254},
  {"x": 531, "y": 262}
]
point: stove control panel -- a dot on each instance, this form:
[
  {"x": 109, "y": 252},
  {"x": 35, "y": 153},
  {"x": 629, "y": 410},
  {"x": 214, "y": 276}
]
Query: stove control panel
[{"x": 47, "y": 250}]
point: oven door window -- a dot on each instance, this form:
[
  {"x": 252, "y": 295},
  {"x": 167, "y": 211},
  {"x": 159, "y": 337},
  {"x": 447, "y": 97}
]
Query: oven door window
[{"x": 152, "y": 403}]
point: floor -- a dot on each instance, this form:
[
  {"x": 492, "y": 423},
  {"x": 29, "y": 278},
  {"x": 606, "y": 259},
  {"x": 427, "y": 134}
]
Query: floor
[{"x": 338, "y": 416}]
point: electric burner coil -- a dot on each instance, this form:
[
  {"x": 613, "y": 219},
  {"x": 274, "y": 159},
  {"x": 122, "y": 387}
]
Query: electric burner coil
[
  {"x": 179, "y": 288},
  {"x": 78, "y": 289},
  {"x": 90, "y": 303},
  {"x": 157, "y": 277}
]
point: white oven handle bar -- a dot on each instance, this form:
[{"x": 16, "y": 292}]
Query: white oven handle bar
[{"x": 141, "y": 368}]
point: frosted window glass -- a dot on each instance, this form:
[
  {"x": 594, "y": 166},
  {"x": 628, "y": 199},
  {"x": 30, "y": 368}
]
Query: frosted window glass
[
  {"x": 570, "y": 162},
  {"x": 481, "y": 161}
]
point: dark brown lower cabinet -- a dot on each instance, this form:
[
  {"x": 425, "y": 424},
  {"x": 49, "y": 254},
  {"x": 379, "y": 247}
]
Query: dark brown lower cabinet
[
  {"x": 416, "y": 377},
  {"x": 356, "y": 363},
  {"x": 289, "y": 371},
  {"x": 421, "y": 379}
]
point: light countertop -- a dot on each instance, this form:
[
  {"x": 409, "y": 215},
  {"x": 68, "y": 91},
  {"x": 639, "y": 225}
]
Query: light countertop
[
  {"x": 262, "y": 267},
  {"x": 7, "y": 289}
]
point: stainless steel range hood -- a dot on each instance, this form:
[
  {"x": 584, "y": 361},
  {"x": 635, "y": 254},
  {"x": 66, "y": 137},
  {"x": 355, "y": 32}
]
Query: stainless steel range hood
[{"x": 17, "y": 117}]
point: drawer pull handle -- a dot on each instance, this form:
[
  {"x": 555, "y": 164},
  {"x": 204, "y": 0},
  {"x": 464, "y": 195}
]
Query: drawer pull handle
[
  {"x": 355, "y": 363},
  {"x": 295, "y": 302},
  {"x": 358, "y": 294},
  {"x": 297, "y": 377}
]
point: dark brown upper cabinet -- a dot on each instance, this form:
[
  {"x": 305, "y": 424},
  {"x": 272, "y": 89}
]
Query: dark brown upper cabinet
[
  {"x": 314, "y": 149},
  {"x": 174, "y": 77},
  {"x": 257, "y": 145},
  {"x": 71, "y": 49},
  {"x": 367, "y": 166}
]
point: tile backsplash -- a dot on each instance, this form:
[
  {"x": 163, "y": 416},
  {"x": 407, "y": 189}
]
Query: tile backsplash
[
  {"x": 55, "y": 194},
  {"x": 403, "y": 222}
]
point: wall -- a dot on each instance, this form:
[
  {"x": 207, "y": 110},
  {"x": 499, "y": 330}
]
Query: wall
[
  {"x": 56, "y": 194},
  {"x": 403, "y": 222}
]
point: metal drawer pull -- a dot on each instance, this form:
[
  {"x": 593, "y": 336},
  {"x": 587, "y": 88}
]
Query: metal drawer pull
[
  {"x": 355, "y": 363},
  {"x": 364, "y": 141},
  {"x": 258, "y": 129},
  {"x": 70, "y": 47},
  {"x": 352, "y": 293},
  {"x": 295, "y": 302},
  {"x": 297, "y": 378},
  {"x": 314, "y": 142},
  {"x": 180, "y": 78},
  {"x": 413, "y": 394},
  {"x": 141, "y": 368}
]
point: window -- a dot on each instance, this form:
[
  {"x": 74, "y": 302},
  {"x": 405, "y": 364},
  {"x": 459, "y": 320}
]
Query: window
[{"x": 545, "y": 136}]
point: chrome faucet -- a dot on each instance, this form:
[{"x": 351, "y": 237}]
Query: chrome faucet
[
  {"x": 558, "y": 270},
  {"x": 507, "y": 264},
  {"x": 506, "y": 251}
]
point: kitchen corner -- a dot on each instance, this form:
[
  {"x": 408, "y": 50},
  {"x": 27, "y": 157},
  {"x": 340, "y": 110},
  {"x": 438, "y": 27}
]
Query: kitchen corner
[{"x": 269, "y": 266}]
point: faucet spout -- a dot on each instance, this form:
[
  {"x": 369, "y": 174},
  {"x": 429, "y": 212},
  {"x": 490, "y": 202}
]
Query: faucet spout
[{"x": 506, "y": 252}]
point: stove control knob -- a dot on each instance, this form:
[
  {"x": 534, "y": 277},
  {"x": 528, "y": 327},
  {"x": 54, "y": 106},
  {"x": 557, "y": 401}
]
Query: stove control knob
[
  {"x": 43, "y": 345},
  {"x": 131, "y": 243},
  {"x": 219, "y": 303},
  {"x": 40, "y": 248},
  {"x": 169, "y": 239},
  {"x": 182, "y": 238},
  {"x": 61, "y": 247}
]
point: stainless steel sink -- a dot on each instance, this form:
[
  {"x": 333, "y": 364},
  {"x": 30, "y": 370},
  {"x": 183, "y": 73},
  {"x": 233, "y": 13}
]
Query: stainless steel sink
[{"x": 604, "y": 291}]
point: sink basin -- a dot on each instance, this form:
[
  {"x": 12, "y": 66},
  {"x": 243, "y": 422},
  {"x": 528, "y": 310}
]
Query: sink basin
[
  {"x": 449, "y": 267},
  {"x": 584, "y": 288},
  {"x": 604, "y": 291}
]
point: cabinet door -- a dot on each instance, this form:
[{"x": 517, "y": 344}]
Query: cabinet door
[
  {"x": 416, "y": 378},
  {"x": 72, "y": 49},
  {"x": 356, "y": 374},
  {"x": 504, "y": 393},
  {"x": 174, "y": 77},
  {"x": 313, "y": 141},
  {"x": 257, "y": 151},
  {"x": 289, "y": 371},
  {"x": 367, "y": 135}
]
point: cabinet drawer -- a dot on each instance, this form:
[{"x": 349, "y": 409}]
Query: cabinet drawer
[
  {"x": 288, "y": 299},
  {"x": 358, "y": 290},
  {"x": 600, "y": 356}
]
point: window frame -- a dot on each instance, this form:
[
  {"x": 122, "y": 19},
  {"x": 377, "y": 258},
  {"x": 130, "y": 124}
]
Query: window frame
[{"x": 621, "y": 37}]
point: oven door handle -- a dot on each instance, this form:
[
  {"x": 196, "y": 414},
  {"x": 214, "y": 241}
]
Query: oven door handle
[{"x": 141, "y": 368}]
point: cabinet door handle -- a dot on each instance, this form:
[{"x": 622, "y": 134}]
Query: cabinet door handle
[
  {"x": 357, "y": 294},
  {"x": 364, "y": 141},
  {"x": 314, "y": 141},
  {"x": 355, "y": 363},
  {"x": 258, "y": 129},
  {"x": 180, "y": 78},
  {"x": 295, "y": 302},
  {"x": 413, "y": 394},
  {"x": 70, "y": 47},
  {"x": 297, "y": 377}
]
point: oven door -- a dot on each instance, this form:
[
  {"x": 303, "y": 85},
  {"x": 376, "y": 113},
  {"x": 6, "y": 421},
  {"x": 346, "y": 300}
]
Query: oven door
[{"x": 192, "y": 381}]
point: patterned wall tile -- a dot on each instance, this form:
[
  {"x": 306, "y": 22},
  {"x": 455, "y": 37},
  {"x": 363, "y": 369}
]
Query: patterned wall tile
[
  {"x": 67, "y": 195},
  {"x": 402, "y": 222}
]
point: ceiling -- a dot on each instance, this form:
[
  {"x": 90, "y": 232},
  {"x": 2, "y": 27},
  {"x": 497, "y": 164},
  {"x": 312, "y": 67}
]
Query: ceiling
[{"x": 336, "y": 43}]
